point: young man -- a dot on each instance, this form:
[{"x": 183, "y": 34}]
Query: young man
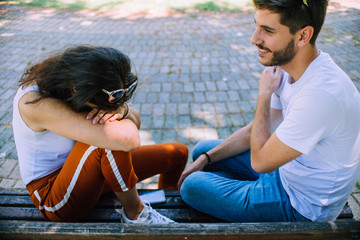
[{"x": 305, "y": 169}]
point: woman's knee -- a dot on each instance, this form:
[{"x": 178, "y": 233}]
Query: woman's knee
[
  {"x": 182, "y": 151},
  {"x": 179, "y": 154}
]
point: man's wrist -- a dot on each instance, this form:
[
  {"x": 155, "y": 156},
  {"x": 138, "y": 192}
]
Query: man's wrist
[
  {"x": 202, "y": 161},
  {"x": 264, "y": 96},
  {"x": 209, "y": 162}
]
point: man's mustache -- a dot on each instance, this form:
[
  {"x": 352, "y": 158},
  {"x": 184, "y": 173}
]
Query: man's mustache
[{"x": 262, "y": 47}]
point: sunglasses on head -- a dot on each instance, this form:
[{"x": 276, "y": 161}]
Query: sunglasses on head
[
  {"x": 306, "y": 4},
  {"x": 116, "y": 95}
]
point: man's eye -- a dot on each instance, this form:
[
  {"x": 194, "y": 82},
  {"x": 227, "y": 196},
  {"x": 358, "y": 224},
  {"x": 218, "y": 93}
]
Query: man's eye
[{"x": 268, "y": 30}]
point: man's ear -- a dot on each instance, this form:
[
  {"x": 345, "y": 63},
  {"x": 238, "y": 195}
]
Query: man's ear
[{"x": 304, "y": 35}]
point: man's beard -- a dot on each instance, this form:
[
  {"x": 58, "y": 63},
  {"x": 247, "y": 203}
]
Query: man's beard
[{"x": 282, "y": 57}]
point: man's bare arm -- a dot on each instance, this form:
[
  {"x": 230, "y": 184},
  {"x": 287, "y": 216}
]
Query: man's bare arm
[{"x": 267, "y": 151}]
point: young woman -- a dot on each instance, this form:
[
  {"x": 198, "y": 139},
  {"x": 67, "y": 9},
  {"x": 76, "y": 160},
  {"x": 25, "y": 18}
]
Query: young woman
[{"x": 77, "y": 138}]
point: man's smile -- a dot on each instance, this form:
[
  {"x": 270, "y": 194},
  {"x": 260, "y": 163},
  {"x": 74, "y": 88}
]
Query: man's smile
[{"x": 262, "y": 49}]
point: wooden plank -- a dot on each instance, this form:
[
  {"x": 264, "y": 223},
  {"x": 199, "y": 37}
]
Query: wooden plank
[
  {"x": 346, "y": 212},
  {"x": 13, "y": 200},
  {"x": 14, "y": 191},
  {"x": 23, "y": 191},
  {"x": 20, "y": 199},
  {"x": 106, "y": 215},
  {"x": 109, "y": 201},
  {"x": 23, "y": 213},
  {"x": 178, "y": 215},
  {"x": 49, "y": 230}
]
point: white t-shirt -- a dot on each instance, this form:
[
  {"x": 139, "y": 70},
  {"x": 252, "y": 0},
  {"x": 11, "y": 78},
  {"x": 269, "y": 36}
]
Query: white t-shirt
[
  {"x": 39, "y": 153},
  {"x": 322, "y": 121}
]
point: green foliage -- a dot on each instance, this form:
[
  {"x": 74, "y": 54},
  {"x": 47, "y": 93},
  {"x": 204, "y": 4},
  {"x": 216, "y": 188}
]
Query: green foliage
[
  {"x": 356, "y": 40},
  {"x": 208, "y": 6},
  {"x": 140, "y": 5},
  {"x": 217, "y": 7},
  {"x": 75, "y": 5}
]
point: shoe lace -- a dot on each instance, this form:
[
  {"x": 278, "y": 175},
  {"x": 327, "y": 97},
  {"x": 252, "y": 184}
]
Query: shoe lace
[{"x": 153, "y": 216}]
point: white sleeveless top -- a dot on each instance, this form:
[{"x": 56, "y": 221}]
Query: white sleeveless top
[{"x": 39, "y": 153}]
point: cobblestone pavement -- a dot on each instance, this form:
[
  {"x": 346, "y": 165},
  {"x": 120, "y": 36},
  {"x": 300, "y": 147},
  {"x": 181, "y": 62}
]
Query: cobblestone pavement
[{"x": 198, "y": 71}]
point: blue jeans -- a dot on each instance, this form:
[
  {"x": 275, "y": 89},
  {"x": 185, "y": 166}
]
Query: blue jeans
[{"x": 232, "y": 191}]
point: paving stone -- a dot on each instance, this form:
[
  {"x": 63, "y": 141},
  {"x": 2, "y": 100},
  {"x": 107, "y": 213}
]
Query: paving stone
[
  {"x": 222, "y": 96},
  {"x": 18, "y": 184},
  {"x": 6, "y": 119},
  {"x": 184, "y": 109},
  {"x": 199, "y": 97},
  {"x": 7, "y": 168},
  {"x": 224, "y": 132},
  {"x": 6, "y": 149},
  {"x": 233, "y": 107},
  {"x": 169, "y": 136},
  {"x": 159, "y": 109},
  {"x": 171, "y": 122},
  {"x": 152, "y": 97},
  {"x": 211, "y": 97},
  {"x": 7, "y": 183},
  {"x": 158, "y": 122},
  {"x": 223, "y": 120},
  {"x": 146, "y": 121},
  {"x": 171, "y": 109},
  {"x": 187, "y": 97},
  {"x": 146, "y": 109},
  {"x": 175, "y": 97},
  {"x": 15, "y": 174}
]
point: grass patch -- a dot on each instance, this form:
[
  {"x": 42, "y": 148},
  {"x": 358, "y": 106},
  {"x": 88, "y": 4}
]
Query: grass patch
[
  {"x": 69, "y": 4},
  {"x": 219, "y": 6},
  {"x": 356, "y": 41},
  {"x": 139, "y": 5},
  {"x": 73, "y": 5},
  {"x": 208, "y": 6},
  {"x": 327, "y": 35}
]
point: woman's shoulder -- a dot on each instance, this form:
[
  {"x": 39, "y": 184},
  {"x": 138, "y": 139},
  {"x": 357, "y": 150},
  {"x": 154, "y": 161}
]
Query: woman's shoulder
[{"x": 33, "y": 112}]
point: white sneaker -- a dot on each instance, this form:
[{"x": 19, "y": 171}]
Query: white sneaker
[{"x": 147, "y": 215}]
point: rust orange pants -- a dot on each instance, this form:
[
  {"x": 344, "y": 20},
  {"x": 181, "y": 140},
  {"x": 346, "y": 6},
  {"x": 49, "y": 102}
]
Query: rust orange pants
[{"x": 72, "y": 191}]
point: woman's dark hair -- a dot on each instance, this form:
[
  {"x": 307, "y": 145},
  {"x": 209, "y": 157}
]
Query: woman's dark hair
[
  {"x": 297, "y": 14},
  {"x": 78, "y": 75}
]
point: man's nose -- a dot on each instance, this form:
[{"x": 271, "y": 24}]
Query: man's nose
[{"x": 255, "y": 38}]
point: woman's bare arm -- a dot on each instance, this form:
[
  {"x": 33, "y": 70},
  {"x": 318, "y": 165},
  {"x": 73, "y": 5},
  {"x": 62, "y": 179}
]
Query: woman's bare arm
[{"x": 51, "y": 114}]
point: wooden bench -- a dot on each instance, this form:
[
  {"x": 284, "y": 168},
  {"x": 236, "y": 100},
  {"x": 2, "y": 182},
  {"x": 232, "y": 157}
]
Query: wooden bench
[{"x": 19, "y": 219}]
